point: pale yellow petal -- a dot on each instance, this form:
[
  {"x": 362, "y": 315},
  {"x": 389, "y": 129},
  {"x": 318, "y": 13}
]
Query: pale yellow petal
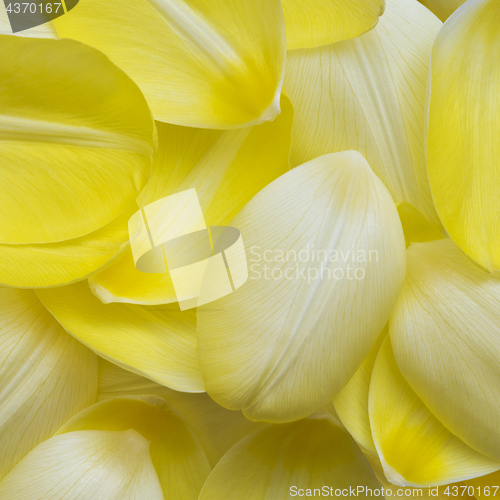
[
  {"x": 46, "y": 376},
  {"x": 416, "y": 227},
  {"x": 226, "y": 168},
  {"x": 443, "y": 8},
  {"x": 76, "y": 140},
  {"x": 310, "y": 23},
  {"x": 179, "y": 460},
  {"x": 368, "y": 94},
  {"x": 308, "y": 454},
  {"x": 210, "y": 64},
  {"x": 53, "y": 264},
  {"x": 326, "y": 263},
  {"x": 351, "y": 404},
  {"x": 86, "y": 465},
  {"x": 464, "y": 125},
  {"x": 445, "y": 331},
  {"x": 217, "y": 429},
  {"x": 414, "y": 446},
  {"x": 158, "y": 342}
]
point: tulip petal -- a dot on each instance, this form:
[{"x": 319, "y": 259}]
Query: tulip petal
[
  {"x": 156, "y": 342},
  {"x": 414, "y": 446},
  {"x": 217, "y": 429},
  {"x": 368, "y": 94},
  {"x": 443, "y": 8},
  {"x": 436, "y": 493},
  {"x": 209, "y": 64},
  {"x": 445, "y": 331},
  {"x": 285, "y": 343},
  {"x": 269, "y": 462},
  {"x": 64, "y": 262},
  {"x": 465, "y": 110},
  {"x": 416, "y": 227},
  {"x": 86, "y": 465},
  {"x": 180, "y": 462},
  {"x": 76, "y": 139},
  {"x": 46, "y": 376},
  {"x": 226, "y": 168},
  {"x": 351, "y": 404},
  {"x": 310, "y": 23}
]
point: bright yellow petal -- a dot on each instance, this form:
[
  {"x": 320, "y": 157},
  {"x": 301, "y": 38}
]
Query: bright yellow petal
[
  {"x": 156, "y": 342},
  {"x": 464, "y": 125},
  {"x": 46, "y": 376},
  {"x": 226, "y": 168},
  {"x": 445, "y": 331},
  {"x": 284, "y": 344},
  {"x": 486, "y": 486},
  {"x": 76, "y": 140},
  {"x": 180, "y": 462},
  {"x": 86, "y": 465},
  {"x": 217, "y": 429},
  {"x": 210, "y": 64},
  {"x": 443, "y": 8},
  {"x": 416, "y": 227},
  {"x": 414, "y": 446},
  {"x": 310, "y": 23},
  {"x": 52, "y": 264},
  {"x": 268, "y": 463},
  {"x": 425, "y": 492},
  {"x": 351, "y": 404},
  {"x": 368, "y": 94}
]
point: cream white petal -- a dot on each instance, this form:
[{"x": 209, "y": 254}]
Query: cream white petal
[
  {"x": 285, "y": 343},
  {"x": 46, "y": 376},
  {"x": 86, "y": 465}
]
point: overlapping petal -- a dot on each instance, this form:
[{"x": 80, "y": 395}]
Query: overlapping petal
[
  {"x": 214, "y": 64},
  {"x": 464, "y": 126},
  {"x": 226, "y": 168},
  {"x": 414, "y": 446},
  {"x": 178, "y": 458},
  {"x": 284, "y": 344},
  {"x": 41, "y": 265},
  {"x": 158, "y": 342},
  {"x": 310, "y": 23},
  {"x": 308, "y": 454},
  {"x": 83, "y": 465},
  {"x": 46, "y": 376},
  {"x": 217, "y": 429},
  {"x": 76, "y": 139},
  {"x": 351, "y": 404},
  {"x": 368, "y": 94},
  {"x": 443, "y": 8},
  {"x": 416, "y": 227},
  {"x": 445, "y": 332}
]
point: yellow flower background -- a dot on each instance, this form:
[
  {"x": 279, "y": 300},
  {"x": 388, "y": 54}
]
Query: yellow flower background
[{"x": 351, "y": 127}]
